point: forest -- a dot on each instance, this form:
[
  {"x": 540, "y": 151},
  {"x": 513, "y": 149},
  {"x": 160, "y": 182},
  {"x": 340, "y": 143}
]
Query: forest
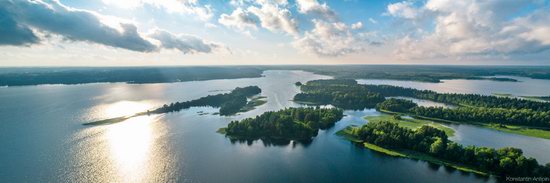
[
  {"x": 521, "y": 117},
  {"x": 344, "y": 94},
  {"x": 506, "y": 161},
  {"x": 229, "y": 103},
  {"x": 135, "y": 75},
  {"x": 347, "y": 94},
  {"x": 300, "y": 124}
]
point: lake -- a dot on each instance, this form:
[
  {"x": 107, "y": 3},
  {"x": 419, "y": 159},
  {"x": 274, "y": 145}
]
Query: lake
[
  {"x": 43, "y": 139},
  {"x": 524, "y": 87}
]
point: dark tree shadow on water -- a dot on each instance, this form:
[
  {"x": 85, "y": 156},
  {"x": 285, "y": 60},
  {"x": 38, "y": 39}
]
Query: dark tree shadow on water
[{"x": 268, "y": 142}]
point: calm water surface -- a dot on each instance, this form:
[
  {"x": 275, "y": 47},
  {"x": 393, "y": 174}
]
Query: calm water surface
[
  {"x": 43, "y": 139},
  {"x": 525, "y": 86}
]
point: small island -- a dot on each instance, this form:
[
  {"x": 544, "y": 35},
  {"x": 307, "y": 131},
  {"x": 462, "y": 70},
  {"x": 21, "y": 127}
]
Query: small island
[
  {"x": 431, "y": 144},
  {"x": 298, "y": 124},
  {"x": 229, "y": 104},
  {"x": 342, "y": 93},
  {"x": 502, "y": 79}
]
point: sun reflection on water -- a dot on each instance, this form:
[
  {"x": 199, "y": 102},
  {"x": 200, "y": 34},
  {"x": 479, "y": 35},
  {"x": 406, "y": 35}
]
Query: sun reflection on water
[
  {"x": 126, "y": 108},
  {"x": 130, "y": 144}
]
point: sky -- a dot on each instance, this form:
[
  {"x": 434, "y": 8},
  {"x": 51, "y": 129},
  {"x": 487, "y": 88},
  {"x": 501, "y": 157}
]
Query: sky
[{"x": 266, "y": 32}]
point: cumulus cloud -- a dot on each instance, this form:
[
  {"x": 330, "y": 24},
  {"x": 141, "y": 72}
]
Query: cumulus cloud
[
  {"x": 329, "y": 39},
  {"x": 24, "y": 19},
  {"x": 471, "y": 27},
  {"x": 316, "y": 8},
  {"x": 275, "y": 18},
  {"x": 357, "y": 25},
  {"x": 403, "y": 9},
  {"x": 239, "y": 19},
  {"x": 184, "y": 43},
  {"x": 13, "y": 33},
  {"x": 172, "y": 6}
]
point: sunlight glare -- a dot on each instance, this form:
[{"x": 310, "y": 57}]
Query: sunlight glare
[{"x": 130, "y": 145}]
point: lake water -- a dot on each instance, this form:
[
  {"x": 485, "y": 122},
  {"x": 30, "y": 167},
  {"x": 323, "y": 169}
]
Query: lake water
[
  {"x": 525, "y": 86},
  {"x": 43, "y": 139}
]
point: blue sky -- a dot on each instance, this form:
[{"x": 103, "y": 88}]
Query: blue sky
[{"x": 249, "y": 32}]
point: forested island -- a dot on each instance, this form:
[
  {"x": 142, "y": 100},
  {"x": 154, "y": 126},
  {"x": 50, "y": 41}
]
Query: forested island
[
  {"x": 298, "y": 124},
  {"x": 229, "y": 104},
  {"x": 514, "y": 115},
  {"x": 342, "y": 93},
  {"x": 431, "y": 144}
]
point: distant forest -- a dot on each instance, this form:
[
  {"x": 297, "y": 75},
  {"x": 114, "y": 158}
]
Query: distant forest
[{"x": 78, "y": 75}]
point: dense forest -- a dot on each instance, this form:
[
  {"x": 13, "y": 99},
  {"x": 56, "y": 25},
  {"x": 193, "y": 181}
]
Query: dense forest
[
  {"x": 300, "y": 124},
  {"x": 460, "y": 99},
  {"x": 345, "y": 94},
  {"x": 78, "y": 75},
  {"x": 522, "y": 117},
  {"x": 504, "y": 162}
]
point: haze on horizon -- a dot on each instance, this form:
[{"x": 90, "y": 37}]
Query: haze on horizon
[{"x": 260, "y": 32}]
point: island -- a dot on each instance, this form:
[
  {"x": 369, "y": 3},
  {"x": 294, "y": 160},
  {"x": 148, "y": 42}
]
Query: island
[
  {"x": 342, "y": 93},
  {"x": 229, "y": 104},
  {"x": 297, "y": 124},
  {"x": 501, "y": 79},
  {"x": 513, "y": 115},
  {"x": 431, "y": 144}
]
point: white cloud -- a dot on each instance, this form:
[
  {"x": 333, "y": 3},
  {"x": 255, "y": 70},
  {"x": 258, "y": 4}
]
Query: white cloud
[
  {"x": 172, "y": 6},
  {"x": 357, "y": 25},
  {"x": 316, "y": 8},
  {"x": 329, "y": 39},
  {"x": 403, "y": 9},
  {"x": 469, "y": 28},
  {"x": 71, "y": 24},
  {"x": 185, "y": 43},
  {"x": 239, "y": 19},
  {"x": 275, "y": 18}
]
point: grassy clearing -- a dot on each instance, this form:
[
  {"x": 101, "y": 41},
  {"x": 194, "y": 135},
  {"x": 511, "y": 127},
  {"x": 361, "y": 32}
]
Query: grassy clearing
[
  {"x": 253, "y": 103},
  {"x": 412, "y": 123},
  {"x": 521, "y": 130},
  {"x": 403, "y": 153}
]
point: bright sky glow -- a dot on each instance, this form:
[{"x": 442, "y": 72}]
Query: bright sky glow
[{"x": 250, "y": 32}]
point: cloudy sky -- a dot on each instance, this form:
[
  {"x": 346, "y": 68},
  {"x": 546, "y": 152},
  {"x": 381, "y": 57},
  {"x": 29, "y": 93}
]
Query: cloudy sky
[{"x": 242, "y": 32}]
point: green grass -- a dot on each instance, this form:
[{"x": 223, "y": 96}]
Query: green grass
[
  {"x": 537, "y": 98},
  {"x": 502, "y": 94},
  {"x": 520, "y": 130},
  {"x": 403, "y": 153},
  {"x": 412, "y": 123},
  {"x": 253, "y": 103}
]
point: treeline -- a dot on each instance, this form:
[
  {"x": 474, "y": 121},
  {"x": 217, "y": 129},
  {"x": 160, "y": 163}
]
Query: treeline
[
  {"x": 229, "y": 103},
  {"x": 460, "y": 99},
  {"x": 346, "y": 94},
  {"x": 299, "y": 124},
  {"x": 522, "y": 117},
  {"x": 504, "y": 162},
  {"x": 77, "y": 75}
]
